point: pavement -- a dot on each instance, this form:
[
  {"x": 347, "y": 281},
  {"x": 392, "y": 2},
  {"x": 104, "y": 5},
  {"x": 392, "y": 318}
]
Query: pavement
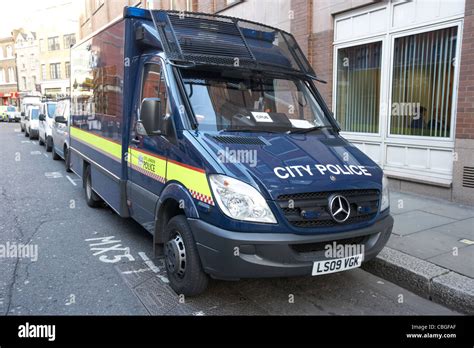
[
  {"x": 92, "y": 262},
  {"x": 431, "y": 250}
]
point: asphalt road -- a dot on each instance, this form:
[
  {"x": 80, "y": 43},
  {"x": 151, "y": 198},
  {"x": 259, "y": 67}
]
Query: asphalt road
[{"x": 76, "y": 271}]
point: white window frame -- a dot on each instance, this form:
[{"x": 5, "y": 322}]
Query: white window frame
[
  {"x": 336, "y": 48},
  {"x": 427, "y": 29}
]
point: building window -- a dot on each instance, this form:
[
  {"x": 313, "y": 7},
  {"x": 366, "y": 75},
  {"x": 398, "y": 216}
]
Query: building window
[
  {"x": 23, "y": 83},
  {"x": 55, "y": 71},
  {"x": 53, "y": 43},
  {"x": 69, "y": 40},
  {"x": 43, "y": 72},
  {"x": 422, "y": 83},
  {"x": 9, "y": 51},
  {"x": 33, "y": 80},
  {"x": 2, "y": 76},
  {"x": 358, "y": 87},
  {"x": 41, "y": 45},
  {"x": 181, "y": 5},
  {"x": 68, "y": 69},
  {"x": 11, "y": 75}
]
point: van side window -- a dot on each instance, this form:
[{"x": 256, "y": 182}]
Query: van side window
[{"x": 154, "y": 86}]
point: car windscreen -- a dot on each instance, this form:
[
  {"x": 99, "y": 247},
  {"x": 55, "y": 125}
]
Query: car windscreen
[
  {"x": 34, "y": 114},
  {"x": 262, "y": 103},
  {"x": 11, "y": 109},
  {"x": 51, "y": 109}
]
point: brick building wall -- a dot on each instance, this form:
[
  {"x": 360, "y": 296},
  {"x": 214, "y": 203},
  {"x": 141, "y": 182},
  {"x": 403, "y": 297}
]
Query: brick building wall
[
  {"x": 464, "y": 145},
  {"x": 465, "y": 111}
]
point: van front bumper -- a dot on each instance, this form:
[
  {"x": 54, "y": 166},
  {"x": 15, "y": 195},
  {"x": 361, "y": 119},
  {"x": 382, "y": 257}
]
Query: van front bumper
[{"x": 234, "y": 255}]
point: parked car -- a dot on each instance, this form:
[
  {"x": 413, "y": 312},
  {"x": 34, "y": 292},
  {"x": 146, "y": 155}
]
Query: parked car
[
  {"x": 13, "y": 115},
  {"x": 164, "y": 153},
  {"x": 3, "y": 113},
  {"x": 32, "y": 122},
  {"x": 46, "y": 121},
  {"x": 60, "y": 132},
  {"x": 24, "y": 114}
]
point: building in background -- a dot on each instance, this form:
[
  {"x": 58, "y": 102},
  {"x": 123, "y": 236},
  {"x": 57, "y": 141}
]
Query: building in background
[
  {"x": 8, "y": 74},
  {"x": 96, "y": 14},
  {"x": 27, "y": 60},
  {"x": 55, "y": 37},
  {"x": 399, "y": 77}
]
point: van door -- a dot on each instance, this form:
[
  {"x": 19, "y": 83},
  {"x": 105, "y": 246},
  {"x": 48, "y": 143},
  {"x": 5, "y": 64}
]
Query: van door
[{"x": 147, "y": 154}]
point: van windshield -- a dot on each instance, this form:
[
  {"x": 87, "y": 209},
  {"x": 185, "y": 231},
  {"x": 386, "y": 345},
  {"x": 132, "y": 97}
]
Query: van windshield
[
  {"x": 51, "y": 108},
  {"x": 34, "y": 114},
  {"x": 260, "y": 104}
]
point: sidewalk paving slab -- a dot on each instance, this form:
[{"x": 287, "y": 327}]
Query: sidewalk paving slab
[
  {"x": 425, "y": 253},
  {"x": 416, "y": 221},
  {"x": 425, "y": 244},
  {"x": 462, "y": 263}
]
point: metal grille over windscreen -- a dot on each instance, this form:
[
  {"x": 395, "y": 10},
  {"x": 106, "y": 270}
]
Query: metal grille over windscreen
[{"x": 219, "y": 40}]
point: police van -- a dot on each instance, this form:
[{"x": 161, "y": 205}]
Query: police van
[{"x": 211, "y": 133}]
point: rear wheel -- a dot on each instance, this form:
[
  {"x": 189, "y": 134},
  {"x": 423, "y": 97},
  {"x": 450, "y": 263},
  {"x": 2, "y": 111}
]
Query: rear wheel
[
  {"x": 92, "y": 199},
  {"x": 41, "y": 142},
  {"x": 182, "y": 261},
  {"x": 55, "y": 155},
  {"x": 49, "y": 144},
  {"x": 26, "y": 133}
]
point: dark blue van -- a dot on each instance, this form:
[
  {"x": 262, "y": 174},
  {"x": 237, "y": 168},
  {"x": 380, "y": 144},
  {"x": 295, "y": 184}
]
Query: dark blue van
[{"x": 210, "y": 132}]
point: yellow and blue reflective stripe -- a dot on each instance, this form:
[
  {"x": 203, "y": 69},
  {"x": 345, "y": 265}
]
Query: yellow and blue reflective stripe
[{"x": 151, "y": 165}]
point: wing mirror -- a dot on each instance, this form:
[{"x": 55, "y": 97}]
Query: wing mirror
[
  {"x": 23, "y": 114},
  {"x": 42, "y": 117},
  {"x": 60, "y": 119},
  {"x": 151, "y": 121}
]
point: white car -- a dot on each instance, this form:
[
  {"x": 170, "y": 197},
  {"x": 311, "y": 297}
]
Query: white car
[
  {"x": 32, "y": 122},
  {"x": 46, "y": 123},
  {"x": 24, "y": 114},
  {"x": 13, "y": 114}
]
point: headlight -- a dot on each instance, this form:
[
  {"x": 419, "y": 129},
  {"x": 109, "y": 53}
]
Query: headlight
[
  {"x": 385, "y": 195},
  {"x": 239, "y": 200}
]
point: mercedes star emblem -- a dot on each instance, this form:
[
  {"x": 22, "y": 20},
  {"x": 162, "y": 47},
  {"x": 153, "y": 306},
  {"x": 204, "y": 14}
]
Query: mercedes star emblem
[{"x": 339, "y": 208}]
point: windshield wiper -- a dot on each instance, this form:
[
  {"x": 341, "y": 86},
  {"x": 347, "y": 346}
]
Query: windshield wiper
[
  {"x": 247, "y": 130},
  {"x": 307, "y": 130}
]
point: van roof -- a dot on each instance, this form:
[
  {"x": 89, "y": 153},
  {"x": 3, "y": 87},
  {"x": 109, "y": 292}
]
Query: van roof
[{"x": 215, "y": 40}]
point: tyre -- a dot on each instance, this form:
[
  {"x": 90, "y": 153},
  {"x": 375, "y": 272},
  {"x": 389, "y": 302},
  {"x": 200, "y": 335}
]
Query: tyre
[
  {"x": 55, "y": 155},
  {"x": 92, "y": 199},
  {"x": 22, "y": 129},
  {"x": 40, "y": 142},
  {"x": 26, "y": 133},
  {"x": 67, "y": 160},
  {"x": 183, "y": 264},
  {"x": 49, "y": 144}
]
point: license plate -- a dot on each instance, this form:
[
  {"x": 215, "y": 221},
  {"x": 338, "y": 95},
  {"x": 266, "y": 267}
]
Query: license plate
[{"x": 337, "y": 265}]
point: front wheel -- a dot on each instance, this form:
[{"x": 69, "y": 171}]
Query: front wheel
[
  {"x": 182, "y": 261},
  {"x": 67, "y": 160},
  {"x": 92, "y": 199}
]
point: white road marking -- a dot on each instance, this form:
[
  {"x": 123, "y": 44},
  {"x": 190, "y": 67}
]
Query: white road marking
[
  {"x": 53, "y": 175},
  {"x": 26, "y": 141},
  {"x": 70, "y": 180},
  {"x": 45, "y": 155},
  {"x": 153, "y": 267},
  {"x": 17, "y": 130},
  {"x": 141, "y": 270},
  {"x": 35, "y": 153}
]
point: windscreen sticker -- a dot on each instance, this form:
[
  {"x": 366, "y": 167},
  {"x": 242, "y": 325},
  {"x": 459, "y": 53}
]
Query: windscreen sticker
[
  {"x": 320, "y": 169},
  {"x": 262, "y": 117}
]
